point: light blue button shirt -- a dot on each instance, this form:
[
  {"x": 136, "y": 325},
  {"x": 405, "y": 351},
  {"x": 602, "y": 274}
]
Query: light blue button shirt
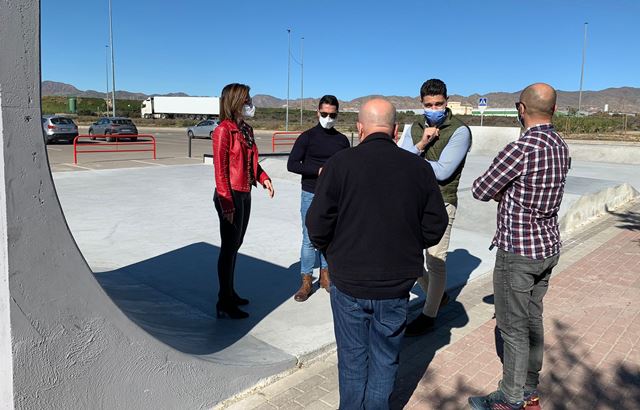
[{"x": 452, "y": 154}]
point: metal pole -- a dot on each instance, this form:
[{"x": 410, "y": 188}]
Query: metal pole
[
  {"x": 286, "y": 121},
  {"x": 113, "y": 65},
  {"x": 106, "y": 71},
  {"x": 301, "y": 79},
  {"x": 584, "y": 50},
  {"x": 481, "y": 117}
]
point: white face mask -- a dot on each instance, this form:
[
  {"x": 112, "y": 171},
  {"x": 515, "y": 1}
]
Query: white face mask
[
  {"x": 248, "y": 111},
  {"x": 327, "y": 122}
]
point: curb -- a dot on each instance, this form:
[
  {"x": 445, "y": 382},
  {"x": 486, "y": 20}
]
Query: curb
[{"x": 592, "y": 206}]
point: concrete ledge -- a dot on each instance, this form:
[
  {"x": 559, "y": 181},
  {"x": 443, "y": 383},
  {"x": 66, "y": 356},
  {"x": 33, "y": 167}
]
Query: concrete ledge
[
  {"x": 593, "y": 205},
  {"x": 490, "y": 140},
  {"x": 601, "y": 151}
]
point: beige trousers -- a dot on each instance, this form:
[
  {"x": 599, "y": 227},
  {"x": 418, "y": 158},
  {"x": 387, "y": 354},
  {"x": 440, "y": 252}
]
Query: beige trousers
[{"x": 434, "y": 275}]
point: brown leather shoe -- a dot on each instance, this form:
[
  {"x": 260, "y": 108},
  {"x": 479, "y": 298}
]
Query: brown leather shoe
[
  {"x": 325, "y": 282},
  {"x": 305, "y": 289}
]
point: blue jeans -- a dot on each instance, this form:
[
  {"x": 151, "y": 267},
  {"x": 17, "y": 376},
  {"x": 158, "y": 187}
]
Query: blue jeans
[
  {"x": 368, "y": 336},
  {"x": 308, "y": 254},
  {"x": 519, "y": 285}
]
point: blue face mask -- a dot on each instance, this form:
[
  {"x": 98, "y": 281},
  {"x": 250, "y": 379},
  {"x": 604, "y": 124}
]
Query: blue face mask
[{"x": 435, "y": 117}]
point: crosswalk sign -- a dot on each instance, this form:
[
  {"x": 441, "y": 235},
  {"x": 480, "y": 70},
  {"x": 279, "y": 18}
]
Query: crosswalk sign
[{"x": 482, "y": 104}]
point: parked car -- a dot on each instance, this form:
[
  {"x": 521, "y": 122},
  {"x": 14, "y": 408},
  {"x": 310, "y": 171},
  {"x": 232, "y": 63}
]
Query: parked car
[
  {"x": 203, "y": 129},
  {"x": 113, "y": 125},
  {"x": 58, "y": 128}
]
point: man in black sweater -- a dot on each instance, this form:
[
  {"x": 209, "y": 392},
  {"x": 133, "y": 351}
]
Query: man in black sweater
[
  {"x": 309, "y": 153},
  {"x": 376, "y": 208}
]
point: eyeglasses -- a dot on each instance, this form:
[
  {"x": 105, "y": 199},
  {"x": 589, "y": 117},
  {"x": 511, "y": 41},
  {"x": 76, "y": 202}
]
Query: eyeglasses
[{"x": 332, "y": 115}]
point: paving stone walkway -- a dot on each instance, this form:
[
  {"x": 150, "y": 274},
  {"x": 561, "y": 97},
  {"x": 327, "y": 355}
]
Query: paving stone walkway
[{"x": 592, "y": 338}]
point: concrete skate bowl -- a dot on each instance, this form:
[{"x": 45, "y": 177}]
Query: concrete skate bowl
[{"x": 69, "y": 345}]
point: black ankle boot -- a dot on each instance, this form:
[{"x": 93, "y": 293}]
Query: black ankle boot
[
  {"x": 230, "y": 310},
  {"x": 239, "y": 301}
]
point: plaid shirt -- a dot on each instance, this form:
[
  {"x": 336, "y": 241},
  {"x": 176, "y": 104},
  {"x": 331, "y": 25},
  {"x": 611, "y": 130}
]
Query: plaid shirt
[{"x": 530, "y": 174}]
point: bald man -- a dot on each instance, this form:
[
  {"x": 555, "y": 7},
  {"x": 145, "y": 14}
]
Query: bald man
[
  {"x": 375, "y": 210},
  {"x": 527, "y": 180}
]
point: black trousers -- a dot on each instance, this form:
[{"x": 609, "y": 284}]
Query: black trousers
[{"x": 231, "y": 237}]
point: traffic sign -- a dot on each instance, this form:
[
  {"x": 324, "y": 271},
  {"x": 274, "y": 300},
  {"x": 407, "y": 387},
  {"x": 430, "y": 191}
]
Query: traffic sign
[{"x": 482, "y": 105}]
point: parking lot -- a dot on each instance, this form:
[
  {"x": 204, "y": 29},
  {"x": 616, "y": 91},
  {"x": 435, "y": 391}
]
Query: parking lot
[{"x": 171, "y": 146}]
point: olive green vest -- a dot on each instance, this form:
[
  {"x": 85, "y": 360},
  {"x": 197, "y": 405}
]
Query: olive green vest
[{"x": 449, "y": 187}]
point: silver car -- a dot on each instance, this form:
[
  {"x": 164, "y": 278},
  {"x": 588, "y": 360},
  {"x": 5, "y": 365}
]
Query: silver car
[
  {"x": 113, "y": 125},
  {"x": 203, "y": 129},
  {"x": 58, "y": 128}
]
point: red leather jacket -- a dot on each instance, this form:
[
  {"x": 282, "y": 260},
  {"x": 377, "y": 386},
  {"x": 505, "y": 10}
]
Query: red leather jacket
[{"x": 231, "y": 156}]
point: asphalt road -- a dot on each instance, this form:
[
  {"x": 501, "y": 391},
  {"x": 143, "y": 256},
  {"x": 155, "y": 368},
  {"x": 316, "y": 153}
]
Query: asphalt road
[{"x": 171, "y": 147}]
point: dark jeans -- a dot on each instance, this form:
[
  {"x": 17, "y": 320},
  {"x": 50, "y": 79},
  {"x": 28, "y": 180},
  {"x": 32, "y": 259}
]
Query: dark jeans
[
  {"x": 368, "y": 335},
  {"x": 519, "y": 285},
  {"x": 231, "y": 236}
]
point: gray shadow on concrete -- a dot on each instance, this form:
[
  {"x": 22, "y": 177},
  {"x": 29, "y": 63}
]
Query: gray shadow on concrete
[
  {"x": 460, "y": 265},
  {"x": 172, "y": 296}
]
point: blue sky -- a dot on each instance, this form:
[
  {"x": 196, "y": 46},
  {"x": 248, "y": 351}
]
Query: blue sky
[{"x": 351, "y": 48}]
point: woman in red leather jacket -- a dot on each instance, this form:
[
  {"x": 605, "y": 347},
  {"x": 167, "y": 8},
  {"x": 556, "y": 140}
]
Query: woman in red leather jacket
[{"x": 235, "y": 160}]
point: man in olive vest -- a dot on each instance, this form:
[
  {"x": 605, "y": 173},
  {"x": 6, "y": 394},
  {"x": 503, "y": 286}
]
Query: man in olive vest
[{"x": 444, "y": 141}]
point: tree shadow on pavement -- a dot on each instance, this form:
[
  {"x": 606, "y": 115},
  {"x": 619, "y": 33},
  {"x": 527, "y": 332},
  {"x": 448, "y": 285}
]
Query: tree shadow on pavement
[
  {"x": 574, "y": 376},
  {"x": 580, "y": 377},
  {"x": 629, "y": 220},
  {"x": 173, "y": 296}
]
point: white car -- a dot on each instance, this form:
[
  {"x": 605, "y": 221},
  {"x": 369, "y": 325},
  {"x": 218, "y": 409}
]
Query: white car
[{"x": 203, "y": 129}]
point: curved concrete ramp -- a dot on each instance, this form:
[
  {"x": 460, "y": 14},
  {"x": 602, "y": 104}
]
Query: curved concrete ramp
[{"x": 66, "y": 344}]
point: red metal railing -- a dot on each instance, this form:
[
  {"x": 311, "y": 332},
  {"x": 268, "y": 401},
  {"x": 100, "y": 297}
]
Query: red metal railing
[
  {"x": 277, "y": 141},
  {"x": 117, "y": 144}
]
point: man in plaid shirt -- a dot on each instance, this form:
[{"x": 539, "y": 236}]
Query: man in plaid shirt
[{"x": 527, "y": 180}]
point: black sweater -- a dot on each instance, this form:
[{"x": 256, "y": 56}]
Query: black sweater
[
  {"x": 310, "y": 152},
  {"x": 376, "y": 208}
]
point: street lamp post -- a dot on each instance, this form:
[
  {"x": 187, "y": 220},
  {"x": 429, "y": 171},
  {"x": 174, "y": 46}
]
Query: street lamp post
[
  {"x": 301, "y": 79},
  {"x": 584, "y": 50},
  {"x": 286, "y": 121},
  {"x": 106, "y": 71},
  {"x": 113, "y": 65}
]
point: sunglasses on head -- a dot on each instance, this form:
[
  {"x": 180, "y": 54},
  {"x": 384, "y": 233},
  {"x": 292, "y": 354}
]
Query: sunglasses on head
[{"x": 332, "y": 115}]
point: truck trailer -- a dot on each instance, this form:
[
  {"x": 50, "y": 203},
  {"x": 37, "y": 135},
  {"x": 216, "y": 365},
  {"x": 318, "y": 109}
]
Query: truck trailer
[{"x": 180, "y": 107}]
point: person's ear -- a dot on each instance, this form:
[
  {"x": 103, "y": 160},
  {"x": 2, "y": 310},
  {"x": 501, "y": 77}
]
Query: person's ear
[
  {"x": 360, "y": 130},
  {"x": 395, "y": 131}
]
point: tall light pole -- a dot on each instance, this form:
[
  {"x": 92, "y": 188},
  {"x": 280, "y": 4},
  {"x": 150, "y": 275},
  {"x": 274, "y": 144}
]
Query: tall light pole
[
  {"x": 584, "y": 51},
  {"x": 106, "y": 72},
  {"x": 113, "y": 65},
  {"x": 301, "y": 79},
  {"x": 286, "y": 122}
]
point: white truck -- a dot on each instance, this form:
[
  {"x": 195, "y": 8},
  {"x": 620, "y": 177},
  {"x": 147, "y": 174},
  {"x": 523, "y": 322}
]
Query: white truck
[{"x": 180, "y": 107}]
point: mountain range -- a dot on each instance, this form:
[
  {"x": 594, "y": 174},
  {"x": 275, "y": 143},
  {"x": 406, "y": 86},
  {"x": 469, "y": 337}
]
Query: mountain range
[
  {"x": 622, "y": 99},
  {"x": 53, "y": 88}
]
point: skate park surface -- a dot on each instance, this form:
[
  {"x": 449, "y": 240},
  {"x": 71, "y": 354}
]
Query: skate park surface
[
  {"x": 151, "y": 237},
  {"x": 143, "y": 335}
]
